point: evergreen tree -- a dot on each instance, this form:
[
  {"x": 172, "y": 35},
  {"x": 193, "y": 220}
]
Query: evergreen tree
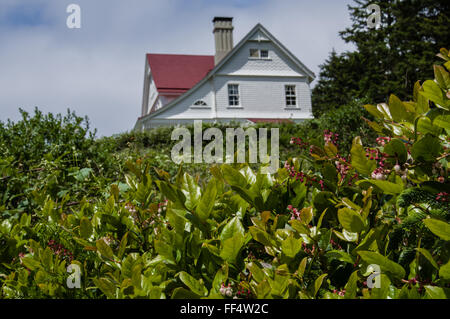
[{"x": 389, "y": 58}]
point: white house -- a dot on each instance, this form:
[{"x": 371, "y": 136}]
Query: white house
[{"x": 258, "y": 80}]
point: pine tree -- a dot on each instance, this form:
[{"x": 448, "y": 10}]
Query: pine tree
[{"x": 387, "y": 59}]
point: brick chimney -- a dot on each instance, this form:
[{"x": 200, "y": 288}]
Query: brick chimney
[{"x": 223, "y": 36}]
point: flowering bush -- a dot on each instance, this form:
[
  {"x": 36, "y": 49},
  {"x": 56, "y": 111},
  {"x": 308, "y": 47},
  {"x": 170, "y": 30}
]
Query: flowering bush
[{"x": 315, "y": 229}]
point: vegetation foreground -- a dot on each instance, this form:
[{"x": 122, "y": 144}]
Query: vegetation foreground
[{"x": 309, "y": 231}]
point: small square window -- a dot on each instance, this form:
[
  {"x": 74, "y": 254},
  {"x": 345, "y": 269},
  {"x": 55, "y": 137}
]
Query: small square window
[
  {"x": 259, "y": 54},
  {"x": 254, "y": 53}
]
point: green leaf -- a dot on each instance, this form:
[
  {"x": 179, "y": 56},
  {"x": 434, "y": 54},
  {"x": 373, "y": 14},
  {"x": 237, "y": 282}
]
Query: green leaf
[
  {"x": 386, "y": 265},
  {"x": 432, "y": 92},
  {"x": 193, "y": 284},
  {"x": 302, "y": 267},
  {"x": 257, "y": 273},
  {"x": 220, "y": 277},
  {"x": 122, "y": 246},
  {"x": 164, "y": 249},
  {"x": 331, "y": 150},
  {"x": 340, "y": 255},
  {"x": 318, "y": 283},
  {"x": 438, "y": 227},
  {"x": 346, "y": 235},
  {"x": 291, "y": 246},
  {"x": 442, "y": 77},
  {"x": 426, "y": 149},
  {"x": 383, "y": 291},
  {"x": 263, "y": 289},
  {"x": 171, "y": 193},
  {"x": 30, "y": 263},
  {"x": 261, "y": 236},
  {"x": 207, "y": 202},
  {"x": 106, "y": 286},
  {"x": 372, "y": 109},
  {"x": 46, "y": 258},
  {"x": 234, "y": 226},
  {"x": 350, "y": 220},
  {"x": 433, "y": 292},
  {"x": 231, "y": 248},
  {"x": 233, "y": 177},
  {"x": 359, "y": 160},
  {"x": 82, "y": 174},
  {"x": 422, "y": 105},
  {"x": 384, "y": 186},
  {"x": 442, "y": 121},
  {"x": 425, "y": 125},
  {"x": 104, "y": 249},
  {"x": 444, "y": 271},
  {"x": 306, "y": 215},
  {"x": 182, "y": 293},
  {"x": 249, "y": 175},
  {"x": 85, "y": 227},
  {"x": 351, "y": 286},
  {"x": 428, "y": 256},
  {"x": 397, "y": 109},
  {"x": 190, "y": 190},
  {"x": 397, "y": 149}
]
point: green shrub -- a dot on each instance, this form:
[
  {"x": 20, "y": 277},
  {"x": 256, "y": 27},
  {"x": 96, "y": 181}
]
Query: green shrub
[{"x": 317, "y": 228}]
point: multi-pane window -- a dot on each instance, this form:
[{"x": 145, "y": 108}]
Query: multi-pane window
[
  {"x": 233, "y": 94},
  {"x": 291, "y": 96},
  {"x": 259, "y": 54},
  {"x": 254, "y": 53},
  {"x": 200, "y": 103},
  {"x": 264, "y": 54}
]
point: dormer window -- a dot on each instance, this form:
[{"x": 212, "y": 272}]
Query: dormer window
[
  {"x": 200, "y": 103},
  {"x": 259, "y": 54}
]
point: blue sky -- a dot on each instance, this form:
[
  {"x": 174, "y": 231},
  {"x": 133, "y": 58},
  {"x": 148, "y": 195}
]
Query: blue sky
[{"x": 98, "y": 70}]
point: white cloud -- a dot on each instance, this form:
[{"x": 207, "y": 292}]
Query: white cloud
[{"x": 98, "y": 70}]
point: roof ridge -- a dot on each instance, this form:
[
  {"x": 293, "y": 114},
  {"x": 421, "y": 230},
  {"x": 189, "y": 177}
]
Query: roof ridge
[{"x": 178, "y": 54}]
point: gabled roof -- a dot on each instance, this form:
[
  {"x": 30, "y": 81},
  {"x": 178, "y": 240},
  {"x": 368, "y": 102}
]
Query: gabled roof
[
  {"x": 259, "y": 27},
  {"x": 177, "y": 73}
]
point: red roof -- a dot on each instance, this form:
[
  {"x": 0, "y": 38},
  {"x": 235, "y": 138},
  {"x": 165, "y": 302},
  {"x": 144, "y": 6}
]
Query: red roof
[
  {"x": 176, "y": 73},
  {"x": 278, "y": 121}
]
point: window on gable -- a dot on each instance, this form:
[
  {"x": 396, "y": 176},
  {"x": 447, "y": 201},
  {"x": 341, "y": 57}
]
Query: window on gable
[
  {"x": 291, "y": 96},
  {"x": 200, "y": 103},
  {"x": 254, "y": 53},
  {"x": 259, "y": 54},
  {"x": 233, "y": 94},
  {"x": 264, "y": 54}
]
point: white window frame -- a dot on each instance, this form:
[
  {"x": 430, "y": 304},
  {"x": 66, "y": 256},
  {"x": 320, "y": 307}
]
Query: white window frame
[
  {"x": 235, "y": 95},
  {"x": 258, "y": 57},
  {"x": 200, "y": 104},
  {"x": 266, "y": 57},
  {"x": 253, "y": 50},
  {"x": 290, "y": 96}
]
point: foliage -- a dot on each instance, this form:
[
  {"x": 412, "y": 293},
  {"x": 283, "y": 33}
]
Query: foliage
[
  {"x": 386, "y": 59},
  {"x": 314, "y": 229}
]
